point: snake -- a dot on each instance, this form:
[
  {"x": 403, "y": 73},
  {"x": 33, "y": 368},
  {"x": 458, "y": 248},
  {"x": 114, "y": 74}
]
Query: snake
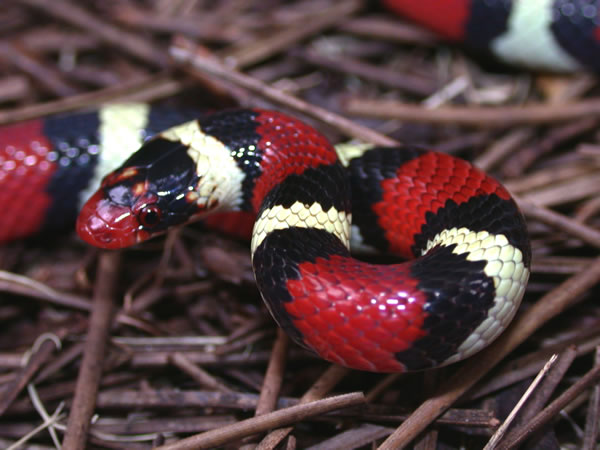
[
  {"x": 126, "y": 173},
  {"x": 462, "y": 244}
]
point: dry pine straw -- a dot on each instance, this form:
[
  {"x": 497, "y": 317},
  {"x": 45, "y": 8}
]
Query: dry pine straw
[{"x": 168, "y": 343}]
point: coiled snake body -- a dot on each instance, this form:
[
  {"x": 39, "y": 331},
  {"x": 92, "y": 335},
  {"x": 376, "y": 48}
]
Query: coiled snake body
[
  {"x": 466, "y": 233},
  {"x": 465, "y": 240}
]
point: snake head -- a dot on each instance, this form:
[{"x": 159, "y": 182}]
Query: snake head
[{"x": 154, "y": 190}]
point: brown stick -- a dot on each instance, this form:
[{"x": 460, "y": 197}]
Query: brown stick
[
  {"x": 90, "y": 371},
  {"x": 502, "y": 116},
  {"x": 140, "y": 89},
  {"x": 271, "y": 386},
  {"x": 40, "y": 291},
  {"x": 293, "y": 414},
  {"x": 274, "y": 375}
]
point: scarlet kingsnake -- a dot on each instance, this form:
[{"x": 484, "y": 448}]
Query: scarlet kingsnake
[
  {"x": 430, "y": 311},
  {"x": 437, "y": 309}
]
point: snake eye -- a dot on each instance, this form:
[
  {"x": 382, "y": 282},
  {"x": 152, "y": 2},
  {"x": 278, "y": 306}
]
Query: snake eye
[{"x": 150, "y": 215}]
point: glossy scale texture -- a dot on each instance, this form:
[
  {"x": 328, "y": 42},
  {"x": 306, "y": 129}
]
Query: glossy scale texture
[{"x": 459, "y": 293}]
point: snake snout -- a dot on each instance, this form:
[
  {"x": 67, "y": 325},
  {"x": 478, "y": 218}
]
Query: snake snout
[{"x": 105, "y": 224}]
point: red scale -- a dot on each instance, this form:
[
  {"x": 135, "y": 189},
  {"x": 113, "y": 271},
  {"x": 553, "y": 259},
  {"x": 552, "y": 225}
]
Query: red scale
[{"x": 328, "y": 312}]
